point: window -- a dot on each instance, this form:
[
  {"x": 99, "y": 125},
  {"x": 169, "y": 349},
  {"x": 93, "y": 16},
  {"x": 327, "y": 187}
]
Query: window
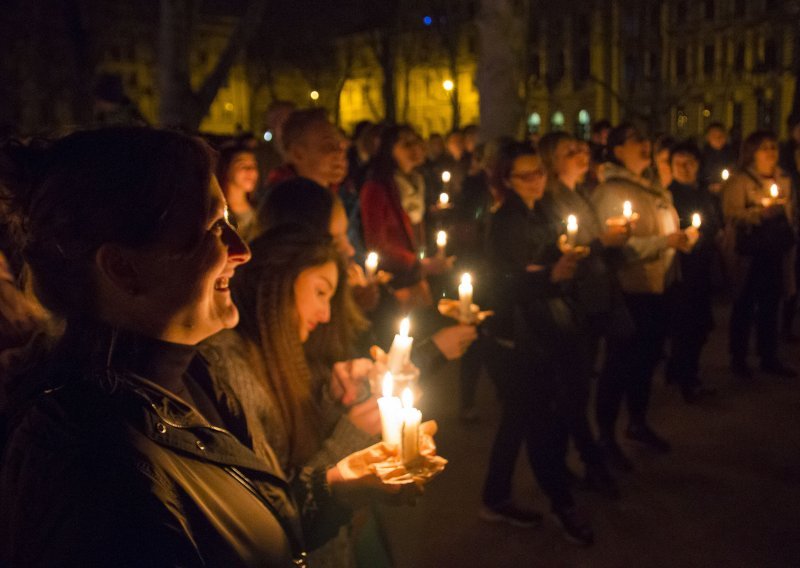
[
  {"x": 680, "y": 13},
  {"x": 557, "y": 121},
  {"x": 771, "y": 59},
  {"x": 534, "y": 123},
  {"x": 708, "y": 60},
  {"x": 680, "y": 62},
  {"x": 582, "y": 125},
  {"x": 738, "y": 57},
  {"x": 765, "y": 111},
  {"x": 709, "y": 9}
]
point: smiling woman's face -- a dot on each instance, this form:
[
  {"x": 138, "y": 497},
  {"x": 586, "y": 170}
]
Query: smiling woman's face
[{"x": 313, "y": 290}]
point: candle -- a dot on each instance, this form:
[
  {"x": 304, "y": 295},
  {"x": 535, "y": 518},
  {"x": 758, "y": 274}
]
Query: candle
[
  {"x": 627, "y": 210},
  {"x": 441, "y": 242},
  {"x": 371, "y": 265},
  {"x": 391, "y": 413},
  {"x": 696, "y": 221},
  {"x": 410, "y": 432},
  {"x": 465, "y": 298},
  {"x": 725, "y": 175},
  {"x": 444, "y": 199},
  {"x": 572, "y": 229},
  {"x": 400, "y": 352},
  {"x": 773, "y": 191},
  {"x": 446, "y": 177}
]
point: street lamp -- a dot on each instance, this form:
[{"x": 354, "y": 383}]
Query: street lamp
[
  {"x": 448, "y": 85},
  {"x": 314, "y": 95}
]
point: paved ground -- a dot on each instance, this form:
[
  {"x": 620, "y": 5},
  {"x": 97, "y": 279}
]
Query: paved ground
[{"x": 728, "y": 495}]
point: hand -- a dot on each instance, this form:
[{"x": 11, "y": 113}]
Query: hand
[
  {"x": 678, "y": 240},
  {"x": 348, "y": 379},
  {"x": 436, "y": 265},
  {"x": 453, "y": 341},
  {"x": 615, "y": 236},
  {"x": 355, "y": 481},
  {"x": 366, "y": 416},
  {"x": 565, "y": 268},
  {"x": 356, "y": 277},
  {"x": 366, "y": 297}
]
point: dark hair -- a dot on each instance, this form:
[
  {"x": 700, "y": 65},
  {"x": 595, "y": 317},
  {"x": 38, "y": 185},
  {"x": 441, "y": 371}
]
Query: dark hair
[
  {"x": 751, "y": 144},
  {"x": 600, "y": 125},
  {"x": 663, "y": 142},
  {"x": 298, "y": 124},
  {"x": 361, "y": 128},
  {"x": 617, "y": 136},
  {"x": 124, "y": 185},
  {"x": 297, "y": 201},
  {"x": 718, "y": 125},
  {"x": 547, "y": 149},
  {"x": 227, "y": 153},
  {"x": 383, "y": 163},
  {"x": 685, "y": 147},
  {"x": 507, "y": 154},
  {"x": 263, "y": 290}
]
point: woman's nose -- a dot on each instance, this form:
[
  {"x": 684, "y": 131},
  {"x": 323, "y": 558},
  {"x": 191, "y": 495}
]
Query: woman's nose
[{"x": 238, "y": 251}]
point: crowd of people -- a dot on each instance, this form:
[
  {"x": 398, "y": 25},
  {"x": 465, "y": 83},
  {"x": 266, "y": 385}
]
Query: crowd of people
[{"x": 187, "y": 329}]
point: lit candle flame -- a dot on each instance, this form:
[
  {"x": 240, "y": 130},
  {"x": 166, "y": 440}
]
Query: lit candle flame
[
  {"x": 446, "y": 176},
  {"x": 696, "y": 220},
  {"x": 372, "y": 260},
  {"x": 444, "y": 198},
  {"x": 408, "y": 398},
  {"x": 405, "y": 327},
  {"x": 466, "y": 279},
  {"x": 627, "y": 209},
  {"x": 725, "y": 175},
  {"x": 388, "y": 385},
  {"x": 572, "y": 224},
  {"x": 441, "y": 239},
  {"x": 773, "y": 191}
]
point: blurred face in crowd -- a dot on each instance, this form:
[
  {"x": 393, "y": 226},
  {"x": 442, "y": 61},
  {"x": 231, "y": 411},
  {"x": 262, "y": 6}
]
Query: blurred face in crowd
[
  {"x": 601, "y": 136},
  {"x": 634, "y": 154},
  {"x": 663, "y": 167},
  {"x": 470, "y": 140},
  {"x": 186, "y": 294},
  {"x": 528, "y": 178},
  {"x": 435, "y": 147},
  {"x": 276, "y": 118},
  {"x": 571, "y": 159},
  {"x": 765, "y": 158},
  {"x": 408, "y": 151},
  {"x": 455, "y": 145},
  {"x": 338, "y": 230},
  {"x": 243, "y": 172},
  {"x": 313, "y": 290},
  {"x": 684, "y": 168},
  {"x": 321, "y": 154},
  {"x": 716, "y": 138}
]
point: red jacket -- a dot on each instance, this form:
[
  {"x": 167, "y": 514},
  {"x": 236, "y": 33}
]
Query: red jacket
[{"x": 387, "y": 229}]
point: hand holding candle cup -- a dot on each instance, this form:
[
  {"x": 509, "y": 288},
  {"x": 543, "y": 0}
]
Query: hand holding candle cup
[{"x": 693, "y": 231}]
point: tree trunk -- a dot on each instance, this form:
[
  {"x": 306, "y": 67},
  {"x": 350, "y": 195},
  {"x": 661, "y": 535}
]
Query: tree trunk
[
  {"x": 177, "y": 107},
  {"x": 454, "y": 100},
  {"x": 500, "y": 35},
  {"x": 387, "y": 60}
]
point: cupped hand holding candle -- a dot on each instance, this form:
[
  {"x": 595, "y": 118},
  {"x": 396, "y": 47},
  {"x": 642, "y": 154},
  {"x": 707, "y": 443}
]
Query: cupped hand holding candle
[
  {"x": 693, "y": 232},
  {"x": 572, "y": 230}
]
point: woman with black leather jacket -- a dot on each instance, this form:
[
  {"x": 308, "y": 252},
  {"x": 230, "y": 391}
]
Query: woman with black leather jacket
[{"x": 535, "y": 331}]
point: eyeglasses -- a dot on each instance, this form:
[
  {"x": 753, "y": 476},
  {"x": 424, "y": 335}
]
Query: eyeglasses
[{"x": 529, "y": 176}]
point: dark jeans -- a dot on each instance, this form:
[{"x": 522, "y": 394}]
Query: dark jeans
[
  {"x": 631, "y": 362},
  {"x": 543, "y": 403},
  {"x": 759, "y": 303}
]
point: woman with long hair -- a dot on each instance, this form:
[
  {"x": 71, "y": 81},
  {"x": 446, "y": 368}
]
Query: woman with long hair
[
  {"x": 237, "y": 172},
  {"x": 116, "y": 453},
  {"x": 760, "y": 251}
]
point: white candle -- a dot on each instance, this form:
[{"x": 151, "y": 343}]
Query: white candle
[
  {"x": 627, "y": 210},
  {"x": 446, "y": 177},
  {"x": 391, "y": 413},
  {"x": 400, "y": 352},
  {"x": 441, "y": 242},
  {"x": 465, "y": 298},
  {"x": 411, "y": 421},
  {"x": 725, "y": 175},
  {"x": 773, "y": 191},
  {"x": 444, "y": 199},
  {"x": 371, "y": 265},
  {"x": 696, "y": 221},
  {"x": 572, "y": 229}
]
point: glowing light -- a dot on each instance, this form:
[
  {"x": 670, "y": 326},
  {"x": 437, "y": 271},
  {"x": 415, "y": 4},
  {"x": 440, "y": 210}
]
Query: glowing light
[
  {"x": 441, "y": 239},
  {"x": 268, "y": 136},
  {"x": 444, "y": 199},
  {"x": 388, "y": 385},
  {"x": 773, "y": 191},
  {"x": 314, "y": 95},
  {"x": 696, "y": 221},
  {"x": 627, "y": 210},
  {"x": 408, "y": 398},
  {"x": 427, "y": 20},
  {"x": 446, "y": 176},
  {"x": 405, "y": 327},
  {"x": 229, "y": 106},
  {"x": 725, "y": 175},
  {"x": 448, "y": 85}
]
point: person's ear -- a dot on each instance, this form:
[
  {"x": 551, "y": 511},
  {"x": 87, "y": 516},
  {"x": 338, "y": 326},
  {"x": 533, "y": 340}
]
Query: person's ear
[
  {"x": 117, "y": 267},
  {"x": 296, "y": 154}
]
